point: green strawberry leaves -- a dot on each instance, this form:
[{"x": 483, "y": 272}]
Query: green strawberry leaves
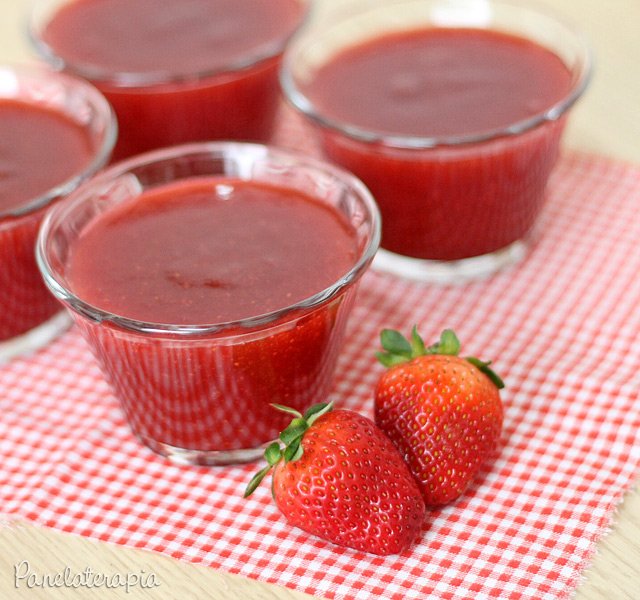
[
  {"x": 273, "y": 454},
  {"x": 256, "y": 480},
  {"x": 397, "y": 350},
  {"x": 448, "y": 344},
  {"x": 294, "y": 431},
  {"x": 395, "y": 343},
  {"x": 484, "y": 367},
  {"x": 289, "y": 448},
  {"x": 417, "y": 343}
]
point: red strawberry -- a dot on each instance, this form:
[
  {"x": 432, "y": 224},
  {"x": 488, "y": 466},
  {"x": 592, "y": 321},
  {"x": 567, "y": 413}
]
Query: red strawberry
[
  {"x": 442, "y": 412},
  {"x": 340, "y": 478}
]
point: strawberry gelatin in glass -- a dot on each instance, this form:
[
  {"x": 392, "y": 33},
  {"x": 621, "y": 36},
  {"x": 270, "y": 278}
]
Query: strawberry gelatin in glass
[
  {"x": 210, "y": 281},
  {"x": 450, "y": 113},
  {"x": 55, "y": 131},
  {"x": 175, "y": 72}
]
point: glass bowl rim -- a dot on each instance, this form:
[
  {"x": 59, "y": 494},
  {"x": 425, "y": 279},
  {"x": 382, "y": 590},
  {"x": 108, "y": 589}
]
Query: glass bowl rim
[
  {"x": 141, "y": 80},
  {"x": 303, "y": 104},
  {"x": 62, "y": 291},
  {"x": 101, "y": 155}
]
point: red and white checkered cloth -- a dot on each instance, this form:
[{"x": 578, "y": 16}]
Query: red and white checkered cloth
[{"x": 564, "y": 329}]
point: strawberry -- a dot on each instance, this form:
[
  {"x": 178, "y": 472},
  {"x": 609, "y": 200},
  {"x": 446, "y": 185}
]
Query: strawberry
[
  {"x": 337, "y": 476},
  {"x": 443, "y": 412}
]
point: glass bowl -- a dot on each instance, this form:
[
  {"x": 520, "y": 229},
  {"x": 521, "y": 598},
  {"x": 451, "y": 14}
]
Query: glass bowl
[
  {"x": 29, "y": 315},
  {"x": 459, "y": 203},
  {"x": 201, "y": 392},
  {"x": 161, "y": 100}
]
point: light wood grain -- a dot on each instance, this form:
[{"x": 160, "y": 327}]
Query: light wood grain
[
  {"x": 606, "y": 121},
  {"x": 48, "y": 552}
]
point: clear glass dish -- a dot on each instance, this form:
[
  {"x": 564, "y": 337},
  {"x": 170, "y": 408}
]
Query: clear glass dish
[
  {"x": 29, "y": 315},
  {"x": 161, "y": 107},
  {"x": 200, "y": 393},
  {"x": 454, "y": 207}
]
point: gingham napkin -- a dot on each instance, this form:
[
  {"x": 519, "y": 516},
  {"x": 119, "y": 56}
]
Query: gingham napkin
[{"x": 563, "y": 328}]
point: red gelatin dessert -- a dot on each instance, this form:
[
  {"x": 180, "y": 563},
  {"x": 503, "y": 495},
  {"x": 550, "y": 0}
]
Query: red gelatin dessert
[
  {"x": 210, "y": 250},
  {"x": 440, "y": 83},
  {"x": 454, "y": 129},
  {"x": 46, "y": 148},
  {"x": 192, "y": 70},
  {"x": 211, "y": 295}
]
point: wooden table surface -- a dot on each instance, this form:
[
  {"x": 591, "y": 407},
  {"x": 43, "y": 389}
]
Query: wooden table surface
[{"x": 606, "y": 121}]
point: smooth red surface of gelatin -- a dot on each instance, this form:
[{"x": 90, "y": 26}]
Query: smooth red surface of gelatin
[
  {"x": 194, "y": 70},
  {"x": 211, "y": 250},
  {"x": 447, "y": 202},
  {"x": 40, "y": 149}
]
